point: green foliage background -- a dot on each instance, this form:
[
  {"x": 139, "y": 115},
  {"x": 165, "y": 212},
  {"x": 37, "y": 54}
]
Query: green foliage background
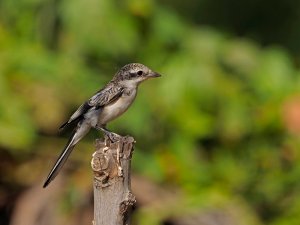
[{"x": 221, "y": 125}]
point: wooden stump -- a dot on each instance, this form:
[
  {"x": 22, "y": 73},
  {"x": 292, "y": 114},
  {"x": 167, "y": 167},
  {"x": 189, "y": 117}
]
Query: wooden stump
[{"x": 112, "y": 190}]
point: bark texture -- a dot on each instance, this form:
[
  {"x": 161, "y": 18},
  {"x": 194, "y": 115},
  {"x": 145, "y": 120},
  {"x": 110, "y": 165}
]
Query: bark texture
[{"x": 112, "y": 190}]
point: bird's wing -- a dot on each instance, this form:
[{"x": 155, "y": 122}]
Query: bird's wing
[
  {"x": 76, "y": 115},
  {"x": 105, "y": 96}
]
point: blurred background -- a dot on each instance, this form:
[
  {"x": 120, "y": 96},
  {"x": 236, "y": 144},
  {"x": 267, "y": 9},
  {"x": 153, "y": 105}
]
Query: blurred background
[{"x": 218, "y": 135}]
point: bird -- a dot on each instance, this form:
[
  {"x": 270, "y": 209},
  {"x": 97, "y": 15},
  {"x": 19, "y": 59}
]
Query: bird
[{"x": 104, "y": 106}]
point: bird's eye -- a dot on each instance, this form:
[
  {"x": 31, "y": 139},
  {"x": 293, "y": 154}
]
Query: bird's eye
[{"x": 140, "y": 73}]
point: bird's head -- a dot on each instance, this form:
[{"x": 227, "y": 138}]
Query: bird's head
[{"x": 134, "y": 74}]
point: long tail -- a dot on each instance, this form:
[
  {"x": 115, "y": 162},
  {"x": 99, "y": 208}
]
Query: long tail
[{"x": 78, "y": 133}]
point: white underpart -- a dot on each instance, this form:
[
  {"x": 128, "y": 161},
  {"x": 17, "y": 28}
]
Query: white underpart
[{"x": 117, "y": 108}]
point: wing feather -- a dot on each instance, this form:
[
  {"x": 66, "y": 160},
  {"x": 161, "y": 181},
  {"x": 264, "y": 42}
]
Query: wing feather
[
  {"x": 103, "y": 97},
  {"x": 76, "y": 115},
  {"x": 106, "y": 96}
]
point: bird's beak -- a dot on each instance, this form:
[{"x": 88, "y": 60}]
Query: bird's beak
[{"x": 153, "y": 74}]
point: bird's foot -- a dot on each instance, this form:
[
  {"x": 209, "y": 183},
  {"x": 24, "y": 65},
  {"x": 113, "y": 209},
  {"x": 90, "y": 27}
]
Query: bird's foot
[{"x": 113, "y": 137}]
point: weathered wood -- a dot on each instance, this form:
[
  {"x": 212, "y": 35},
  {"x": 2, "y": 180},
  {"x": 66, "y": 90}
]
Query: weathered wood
[{"x": 112, "y": 191}]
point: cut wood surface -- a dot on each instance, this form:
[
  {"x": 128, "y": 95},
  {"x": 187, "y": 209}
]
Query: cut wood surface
[{"x": 112, "y": 190}]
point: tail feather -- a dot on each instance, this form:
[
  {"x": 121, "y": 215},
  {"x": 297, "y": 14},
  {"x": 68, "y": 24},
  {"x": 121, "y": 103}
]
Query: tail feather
[
  {"x": 81, "y": 130},
  {"x": 68, "y": 124},
  {"x": 61, "y": 160},
  {"x": 63, "y": 126}
]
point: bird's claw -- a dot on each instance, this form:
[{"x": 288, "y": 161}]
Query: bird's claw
[{"x": 113, "y": 137}]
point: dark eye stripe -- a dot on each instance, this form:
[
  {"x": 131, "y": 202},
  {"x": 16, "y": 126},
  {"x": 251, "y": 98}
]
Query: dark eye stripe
[{"x": 133, "y": 74}]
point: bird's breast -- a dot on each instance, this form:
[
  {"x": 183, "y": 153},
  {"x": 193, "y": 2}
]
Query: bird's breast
[{"x": 117, "y": 108}]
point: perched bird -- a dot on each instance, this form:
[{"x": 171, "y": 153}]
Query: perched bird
[{"x": 106, "y": 105}]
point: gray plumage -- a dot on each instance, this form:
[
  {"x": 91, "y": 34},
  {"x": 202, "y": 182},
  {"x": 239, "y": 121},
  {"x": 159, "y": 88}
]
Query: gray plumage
[{"x": 104, "y": 106}]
